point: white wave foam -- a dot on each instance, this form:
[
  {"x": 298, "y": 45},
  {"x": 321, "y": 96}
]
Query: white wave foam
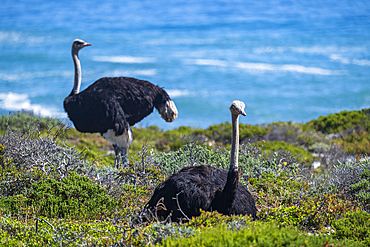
[
  {"x": 182, "y": 41},
  {"x": 32, "y": 75},
  {"x": 308, "y": 70},
  {"x": 212, "y": 62},
  {"x": 256, "y": 66},
  {"x": 18, "y": 102},
  {"x": 20, "y": 38},
  {"x": 313, "y": 49},
  {"x": 193, "y": 41},
  {"x": 175, "y": 93},
  {"x": 269, "y": 49},
  {"x": 123, "y": 59},
  {"x": 336, "y": 57},
  {"x": 302, "y": 50},
  {"x": 287, "y": 67},
  {"x": 361, "y": 62},
  {"x": 339, "y": 58},
  {"x": 323, "y": 50},
  {"x": 143, "y": 72}
]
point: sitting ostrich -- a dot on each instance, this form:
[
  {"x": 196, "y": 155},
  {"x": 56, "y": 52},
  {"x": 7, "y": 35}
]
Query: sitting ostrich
[
  {"x": 204, "y": 187},
  {"x": 111, "y": 105}
]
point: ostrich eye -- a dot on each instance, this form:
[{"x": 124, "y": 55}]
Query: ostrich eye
[{"x": 78, "y": 43}]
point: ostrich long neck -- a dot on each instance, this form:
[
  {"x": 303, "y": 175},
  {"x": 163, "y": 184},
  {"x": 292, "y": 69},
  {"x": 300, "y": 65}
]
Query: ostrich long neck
[
  {"x": 235, "y": 142},
  {"x": 224, "y": 199},
  {"x": 77, "y": 83}
]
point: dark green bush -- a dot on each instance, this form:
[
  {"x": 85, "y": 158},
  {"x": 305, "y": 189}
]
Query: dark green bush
[
  {"x": 255, "y": 235},
  {"x": 338, "y": 122},
  {"x": 22, "y": 121},
  {"x": 361, "y": 189},
  {"x": 302, "y": 155},
  {"x": 356, "y": 142},
  {"x": 74, "y": 196},
  {"x": 354, "y": 226}
]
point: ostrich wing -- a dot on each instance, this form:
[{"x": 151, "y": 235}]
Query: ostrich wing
[
  {"x": 136, "y": 97},
  {"x": 95, "y": 112}
]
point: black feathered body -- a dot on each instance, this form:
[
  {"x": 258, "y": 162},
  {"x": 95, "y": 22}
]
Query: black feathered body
[
  {"x": 113, "y": 103},
  {"x": 200, "y": 187}
]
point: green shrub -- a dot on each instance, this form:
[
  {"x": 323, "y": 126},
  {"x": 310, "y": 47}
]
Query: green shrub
[
  {"x": 74, "y": 196},
  {"x": 293, "y": 215},
  {"x": 192, "y": 155},
  {"x": 338, "y": 122},
  {"x": 22, "y": 121},
  {"x": 302, "y": 155},
  {"x": 221, "y": 133},
  {"x": 14, "y": 180},
  {"x": 159, "y": 232},
  {"x": 361, "y": 189},
  {"x": 313, "y": 213},
  {"x": 27, "y": 157},
  {"x": 352, "y": 179},
  {"x": 252, "y": 163},
  {"x": 275, "y": 190},
  {"x": 65, "y": 232},
  {"x": 288, "y": 199},
  {"x": 163, "y": 141},
  {"x": 357, "y": 142},
  {"x": 354, "y": 226},
  {"x": 213, "y": 219},
  {"x": 255, "y": 234}
]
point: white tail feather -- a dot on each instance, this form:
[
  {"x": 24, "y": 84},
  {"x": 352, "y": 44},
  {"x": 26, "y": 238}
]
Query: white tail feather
[{"x": 123, "y": 141}]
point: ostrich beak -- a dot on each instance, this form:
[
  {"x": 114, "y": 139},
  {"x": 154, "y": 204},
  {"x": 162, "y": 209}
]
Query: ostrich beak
[
  {"x": 242, "y": 112},
  {"x": 87, "y": 44}
]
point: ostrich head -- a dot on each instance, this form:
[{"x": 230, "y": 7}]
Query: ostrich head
[
  {"x": 78, "y": 44},
  {"x": 237, "y": 108}
]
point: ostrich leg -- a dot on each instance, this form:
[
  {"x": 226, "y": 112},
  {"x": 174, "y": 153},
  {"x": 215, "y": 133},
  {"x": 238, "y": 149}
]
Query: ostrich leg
[
  {"x": 124, "y": 157},
  {"x": 120, "y": 155}
]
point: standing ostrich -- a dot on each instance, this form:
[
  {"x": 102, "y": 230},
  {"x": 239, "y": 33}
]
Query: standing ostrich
[
  {"x": 204, "y": 187},
  {"x": 112, "y": 104}
]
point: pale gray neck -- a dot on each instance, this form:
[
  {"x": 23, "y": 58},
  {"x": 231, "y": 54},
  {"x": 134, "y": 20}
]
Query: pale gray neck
[
  {"x": 77, "y": 83},
  {"x": 234, "y": 142}
]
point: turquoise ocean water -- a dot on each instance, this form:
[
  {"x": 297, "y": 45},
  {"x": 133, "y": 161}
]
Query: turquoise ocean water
[{"x": 287, "y": 60}]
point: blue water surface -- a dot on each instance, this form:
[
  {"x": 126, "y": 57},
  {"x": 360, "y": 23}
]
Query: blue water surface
[{"x": 287, "y": 60}]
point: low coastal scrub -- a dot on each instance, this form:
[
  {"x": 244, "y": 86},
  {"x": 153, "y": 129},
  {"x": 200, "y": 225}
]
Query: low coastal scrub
[
  {"x": 256, "y": 235},
  {"x": 355, "y": 226},
  {"x": 342, "y": 121},
  {"x": 73, "y": 197},
  {"x": 59, "y": 186},
  {"x": 349, "y": 129}
]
